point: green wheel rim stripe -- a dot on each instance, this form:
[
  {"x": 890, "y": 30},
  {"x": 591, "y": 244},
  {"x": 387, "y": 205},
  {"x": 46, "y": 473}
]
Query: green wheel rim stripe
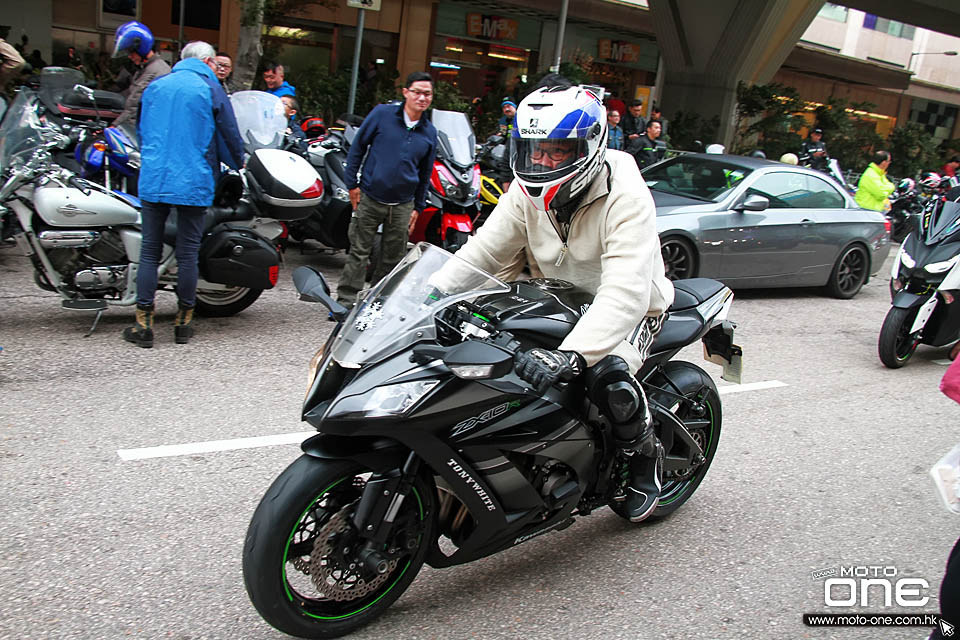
[
  {"x": 687, "y": 483},
  {"x": 283, "y": 564}
]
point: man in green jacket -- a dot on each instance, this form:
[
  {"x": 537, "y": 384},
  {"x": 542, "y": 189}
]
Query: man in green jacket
[{"x": 874, "y": 187}]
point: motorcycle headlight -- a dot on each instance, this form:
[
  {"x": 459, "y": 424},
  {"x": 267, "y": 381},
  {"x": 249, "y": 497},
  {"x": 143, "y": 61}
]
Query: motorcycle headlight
[
  {"x": 940, "y": 267},
  {"x": 908, "y": 262},
  {"x": 394, "y": 399}
]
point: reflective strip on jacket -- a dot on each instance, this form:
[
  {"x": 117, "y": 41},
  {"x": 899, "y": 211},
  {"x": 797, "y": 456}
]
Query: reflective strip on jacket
[{"x": 186, "y": 128}]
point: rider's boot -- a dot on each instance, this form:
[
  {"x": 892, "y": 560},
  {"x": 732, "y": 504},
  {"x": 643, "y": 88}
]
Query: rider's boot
[
  {"x": 141, "y": 333},
  {"x": 646, "y": 480},
  {"x": 183, "y": 324}
]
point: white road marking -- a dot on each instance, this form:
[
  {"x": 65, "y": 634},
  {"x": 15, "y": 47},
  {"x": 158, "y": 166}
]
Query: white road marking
[
  {"x": 212, "y": 446},
  {"x": 944, "y": 362},
  {"x": 168, "y": 450},
  {"x": 752, "y": 386}
]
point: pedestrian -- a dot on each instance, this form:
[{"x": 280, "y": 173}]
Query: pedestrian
[
  {"x": 73, "y": 60},
  {"x": 135, "y": 41},
  {"x": 585, "y": 215},
  {"x": 615, "y": 133},
  {"x": 273, "y": 75},
  {"x": 36, "y": 60},
  {"x": 186, "y": 129},
  {"x": 395, "y": 145},
  {"x": 615, "y": 103},
  {"x": 949, "y": 169},
  {"x": 295, "y": 134},
  {"x": 509, "y": 109},
  {"x": 632, "y": 122},
  {"x": 813, "y": 151},
  {"x": 224, "y": 70},
  {"x": 656, "y": 114},
  {"x": 644, "y": 149},
  {"x": 11, "y": 62},
  {"x": 874, "y": 187}
]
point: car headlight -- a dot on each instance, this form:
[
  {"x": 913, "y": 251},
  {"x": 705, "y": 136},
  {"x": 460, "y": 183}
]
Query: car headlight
[
  {"x": 394, "y": 399},
  {"x": 908, "y": 262},
  {"x": 940, "y": 267}
]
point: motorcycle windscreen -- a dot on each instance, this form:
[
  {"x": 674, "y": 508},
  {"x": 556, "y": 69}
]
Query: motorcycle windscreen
[
  {"x": 400, "y": 310},
  {"x": 455, "y": 138},
  {"x": 943, "y": 223},
  {"x": 56, "y": 82},
  {"x": 20, "y": 132},
  {"x": 260, "y": 118}
]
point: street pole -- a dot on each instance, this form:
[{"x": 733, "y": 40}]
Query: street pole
[
  {"x": 560, "y": 28},
  {"x": 356, "y": 62},
  {"x": 183, "y": 7}
]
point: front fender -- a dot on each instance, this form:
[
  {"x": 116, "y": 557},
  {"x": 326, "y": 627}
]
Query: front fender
[
  {"x": 377, "y": 454},
  {"x": 904, "y": 300}
]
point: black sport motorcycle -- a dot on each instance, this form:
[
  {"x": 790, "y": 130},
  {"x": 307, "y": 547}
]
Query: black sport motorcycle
[{"x": 431, "y": 449}]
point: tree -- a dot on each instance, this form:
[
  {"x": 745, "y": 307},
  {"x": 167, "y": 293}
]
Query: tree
[
  {"x": 913, "y": 150},
  {"x": 255, "y": 14},
  {"x": 768, "y": 117},
  {"x": 849, "y": 137}
]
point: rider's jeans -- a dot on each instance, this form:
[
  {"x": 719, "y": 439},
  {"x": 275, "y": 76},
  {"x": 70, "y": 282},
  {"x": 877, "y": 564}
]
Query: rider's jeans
[{"x": 189, "y": 234}]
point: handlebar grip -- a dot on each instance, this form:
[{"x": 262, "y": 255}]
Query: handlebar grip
[{"x": 76, "y": 183}]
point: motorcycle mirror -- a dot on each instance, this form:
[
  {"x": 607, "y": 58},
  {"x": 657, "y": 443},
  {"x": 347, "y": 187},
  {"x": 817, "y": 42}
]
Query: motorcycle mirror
[
  {"x": 753, "y": 202},
  {"x": 476, "y": 360},
  {"x": 312, "y": 287},
  {"x": 85, "y": 90}
]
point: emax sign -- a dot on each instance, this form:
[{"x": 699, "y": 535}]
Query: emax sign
[{"x": 491, "y": 27}]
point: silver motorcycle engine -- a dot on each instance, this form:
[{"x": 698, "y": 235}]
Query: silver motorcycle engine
[{"x": 94, "y": 261}]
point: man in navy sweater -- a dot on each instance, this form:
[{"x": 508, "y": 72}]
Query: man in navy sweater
[{"x": 395, "y": 146}]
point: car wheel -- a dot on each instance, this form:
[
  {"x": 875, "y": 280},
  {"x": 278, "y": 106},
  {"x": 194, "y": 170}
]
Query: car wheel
[
  {"x": 850, "y": 273},
  {"x": 679, "y": 258}
]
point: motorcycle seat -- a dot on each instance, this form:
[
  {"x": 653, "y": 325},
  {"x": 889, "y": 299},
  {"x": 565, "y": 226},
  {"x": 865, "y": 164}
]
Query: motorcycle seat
[
  {"x": 693, "y": 291},
  {"x": 213, "y": 216}
]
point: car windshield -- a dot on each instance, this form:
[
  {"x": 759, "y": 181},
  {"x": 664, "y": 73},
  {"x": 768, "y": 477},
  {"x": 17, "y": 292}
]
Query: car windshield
[
  {"x": 695, "y": 177},
  {"x": 21, "y": 129},
  {"x": 400, "y": 310},
  {"x": 260, "y": 118},
  {"x": 455, "y": 136}
]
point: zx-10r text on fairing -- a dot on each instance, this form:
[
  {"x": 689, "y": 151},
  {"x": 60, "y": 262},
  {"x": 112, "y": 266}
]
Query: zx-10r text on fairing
[{"x": 431, "y": 449}]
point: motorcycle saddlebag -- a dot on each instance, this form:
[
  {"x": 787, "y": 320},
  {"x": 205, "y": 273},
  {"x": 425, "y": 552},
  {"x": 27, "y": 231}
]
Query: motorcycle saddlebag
[{"x": 238, "y": 257}]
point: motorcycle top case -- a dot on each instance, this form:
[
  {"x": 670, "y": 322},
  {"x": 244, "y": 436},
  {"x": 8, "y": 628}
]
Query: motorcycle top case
[
  {"x": 284, "y": 185},
  {"x": 238, "y": 257}
]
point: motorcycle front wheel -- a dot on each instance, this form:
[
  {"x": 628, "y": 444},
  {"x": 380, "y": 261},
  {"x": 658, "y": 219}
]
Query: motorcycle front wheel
[
  {"x": 300, "y": 563},
  {"x": 896, "y": 346}
]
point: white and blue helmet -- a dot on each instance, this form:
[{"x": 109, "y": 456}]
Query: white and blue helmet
[{"x": 560, "y": 141}]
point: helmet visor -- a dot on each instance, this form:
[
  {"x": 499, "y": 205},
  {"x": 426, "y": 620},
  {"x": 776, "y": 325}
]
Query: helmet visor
[{"x": 547, "y": 158}]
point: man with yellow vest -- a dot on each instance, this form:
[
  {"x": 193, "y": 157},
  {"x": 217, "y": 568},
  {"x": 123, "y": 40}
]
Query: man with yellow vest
[{"x": 874, "y": 187}]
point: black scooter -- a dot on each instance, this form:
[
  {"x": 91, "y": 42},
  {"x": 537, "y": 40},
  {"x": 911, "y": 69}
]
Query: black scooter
[
  {"x": 431, "y": 449},
  {"x": 925, "y": 284}
]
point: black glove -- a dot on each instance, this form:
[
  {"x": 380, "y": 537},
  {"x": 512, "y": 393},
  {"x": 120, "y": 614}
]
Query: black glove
[{"x": 543, "y": 368}]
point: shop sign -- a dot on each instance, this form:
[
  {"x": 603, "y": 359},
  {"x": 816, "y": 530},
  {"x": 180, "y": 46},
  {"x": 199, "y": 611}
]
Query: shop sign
[
  {"x": 618, "y": 51},
  {"x": 491, "y": 27}
]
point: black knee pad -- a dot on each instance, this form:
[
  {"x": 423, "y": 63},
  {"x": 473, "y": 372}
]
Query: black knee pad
[{"x": 614, "y": 390}]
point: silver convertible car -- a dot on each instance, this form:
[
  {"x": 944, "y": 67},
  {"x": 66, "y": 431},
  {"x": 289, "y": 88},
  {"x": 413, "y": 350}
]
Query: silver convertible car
[{"x": 750, "y": 222}]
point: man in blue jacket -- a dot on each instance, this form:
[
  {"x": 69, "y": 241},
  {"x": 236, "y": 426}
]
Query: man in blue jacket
[
  {"x": 395, "y": 145},
  {"x": 187, "y": 128}
]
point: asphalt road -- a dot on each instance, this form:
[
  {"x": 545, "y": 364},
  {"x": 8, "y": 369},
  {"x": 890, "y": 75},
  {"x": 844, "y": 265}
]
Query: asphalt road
[{"x": 826, "y": 472}]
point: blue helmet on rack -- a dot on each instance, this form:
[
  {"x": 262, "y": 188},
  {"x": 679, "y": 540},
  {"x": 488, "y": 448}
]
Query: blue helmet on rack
[{"x": 132, "y": 37}]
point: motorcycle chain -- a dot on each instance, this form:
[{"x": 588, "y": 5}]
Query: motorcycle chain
[{"x": 331, "y": 578}]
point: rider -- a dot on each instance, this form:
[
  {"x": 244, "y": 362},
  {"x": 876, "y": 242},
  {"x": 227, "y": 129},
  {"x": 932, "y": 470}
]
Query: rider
[
  {"x": 583, "y": 214},
  {"x": 135, "y": 41},
  {"x": 814, "y": 151}
]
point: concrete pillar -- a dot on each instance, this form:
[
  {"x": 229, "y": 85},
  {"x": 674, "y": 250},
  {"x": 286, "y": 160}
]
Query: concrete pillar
[
  {"x": 709, "y": 46},
  {"x": 416, "y": 28}
]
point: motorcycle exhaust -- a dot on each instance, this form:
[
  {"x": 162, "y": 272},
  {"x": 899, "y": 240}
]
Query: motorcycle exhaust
[{"x": 68, "y": 239}]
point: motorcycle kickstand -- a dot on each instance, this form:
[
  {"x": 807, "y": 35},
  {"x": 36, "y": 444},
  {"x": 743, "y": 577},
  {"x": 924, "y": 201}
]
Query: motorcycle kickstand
[{"x": 93, "y": 327}]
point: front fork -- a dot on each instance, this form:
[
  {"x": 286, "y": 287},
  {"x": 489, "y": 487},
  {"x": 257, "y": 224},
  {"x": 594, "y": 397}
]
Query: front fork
[{"x": 377, "y": 510}]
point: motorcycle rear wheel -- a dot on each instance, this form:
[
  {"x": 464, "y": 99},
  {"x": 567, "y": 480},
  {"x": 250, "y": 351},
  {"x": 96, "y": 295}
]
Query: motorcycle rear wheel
[
  {"x": 896, "y": 346},
  {"x": 306, "y": 510},
  {"x": 701, "y": 413},
  {"x": 229, "y": 302}
]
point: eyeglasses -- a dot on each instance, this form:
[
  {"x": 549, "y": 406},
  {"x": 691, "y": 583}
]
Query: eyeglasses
[
  {"x": 421, "y": 93},
  {"x": 556, "y": 154}
]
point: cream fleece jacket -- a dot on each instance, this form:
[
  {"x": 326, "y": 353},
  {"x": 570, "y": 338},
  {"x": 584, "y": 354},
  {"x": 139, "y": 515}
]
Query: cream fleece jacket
[{"x": 612, "y": 250}]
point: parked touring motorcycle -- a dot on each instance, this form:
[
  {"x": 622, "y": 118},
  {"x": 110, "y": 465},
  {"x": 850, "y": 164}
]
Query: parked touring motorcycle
[
  {"x": 329, "y": 222},
  {"x": 453, "y": 198},
  {"x": 925, "y": 284},
  {"x": 906, "y": 202},
  {"x": 84, "y": 240},
  {"x": 431, "y": 449}
]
